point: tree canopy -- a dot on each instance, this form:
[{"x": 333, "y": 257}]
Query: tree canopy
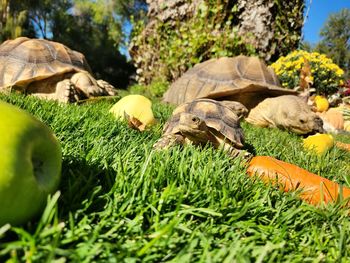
[{"x": 335, "y": 38}]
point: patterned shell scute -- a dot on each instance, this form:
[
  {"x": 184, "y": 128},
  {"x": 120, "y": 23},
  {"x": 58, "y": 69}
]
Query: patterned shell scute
[
  {"x": 225, "y": 76},
  {"x": 215, "y": 115},
  {"x": 24, "y": 60}
]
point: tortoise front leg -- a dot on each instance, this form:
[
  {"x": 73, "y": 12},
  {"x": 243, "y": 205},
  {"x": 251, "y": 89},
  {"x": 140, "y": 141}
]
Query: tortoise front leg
[
  {"x": 234, "y": 152},
  {"x": 110, "y": 89},
  {"x": 87, "y": 84},
  {"x": 66, "y": 92},
  {"x": 169, "y": 140}
]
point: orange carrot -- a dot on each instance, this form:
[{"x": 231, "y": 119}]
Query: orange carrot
[
  {"x": 315, "y": 189},
  {"x": 342, "y": 145}
]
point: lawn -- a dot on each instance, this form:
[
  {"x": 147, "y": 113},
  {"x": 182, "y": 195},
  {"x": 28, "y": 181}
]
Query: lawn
[{"x": 120, "y": 201}]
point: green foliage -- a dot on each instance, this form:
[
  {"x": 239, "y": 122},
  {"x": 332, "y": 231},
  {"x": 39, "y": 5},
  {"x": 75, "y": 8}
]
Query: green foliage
[
  {"x": 307, "y": 46},
  {"x": 288, "y": 25},
  {"x": 206, "y": 35},
  {"x": 166, "y": 49},
  {"x": 121, "y": 201},
  {"x": 327, "y": 76},
  {"x": 100, "y": 12},
  {"x": 92, "y": 33},
  {"x": 158, "y": 88},
  {"x": 14, "y": 20},
  {"x": 335, "y": 40},
  {"x": 42, "y": 12},
  {"x": 154, "y": 90},
  {"x": 131, "y": 8}
]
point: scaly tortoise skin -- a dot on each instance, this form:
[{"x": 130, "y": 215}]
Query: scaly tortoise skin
[
  {"x": 48, "y": 70},
  {"x": 205, "y": 120},
  {"x": 244, "y": 79},
  {"x": 286, "y": 112}
]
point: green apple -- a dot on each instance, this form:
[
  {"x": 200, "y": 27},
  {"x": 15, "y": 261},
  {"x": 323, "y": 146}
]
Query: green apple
[{"x": 30, "y": 164}]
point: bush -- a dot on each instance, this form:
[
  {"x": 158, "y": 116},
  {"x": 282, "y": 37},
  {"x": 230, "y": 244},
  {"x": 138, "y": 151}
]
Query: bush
[
  {"x": 153, "y": 90},
  {"x": 327, "y": 77}
]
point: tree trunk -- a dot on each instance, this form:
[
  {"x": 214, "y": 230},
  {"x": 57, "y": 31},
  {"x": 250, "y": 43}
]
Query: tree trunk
[{"x": 160, "y": 49}]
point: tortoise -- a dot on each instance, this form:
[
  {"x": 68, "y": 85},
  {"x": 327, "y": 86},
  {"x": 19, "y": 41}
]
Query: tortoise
[
  {"x": 241, "y": 78},
  {"x": 48, "y": 70},
  {"x": 205, "y": 120},
  {"x": 286, "y": 112}
]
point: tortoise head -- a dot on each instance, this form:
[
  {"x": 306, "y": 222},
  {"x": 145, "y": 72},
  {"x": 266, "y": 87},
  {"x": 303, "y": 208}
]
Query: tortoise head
[
  {"x": 194, "y": 128},
  {"x": 286, "y": 112},
  {"x": 304, "y": 123}
]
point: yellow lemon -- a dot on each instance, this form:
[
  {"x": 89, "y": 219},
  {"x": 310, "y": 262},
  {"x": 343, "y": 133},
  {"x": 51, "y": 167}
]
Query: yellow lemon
[
  {"x": 321, "y": 103},
  {"x": 136, "y": 109},
  {"x": 318, "y": 143}
]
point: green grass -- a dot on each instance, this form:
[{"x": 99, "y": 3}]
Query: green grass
[{"x": 119, "y": 201}]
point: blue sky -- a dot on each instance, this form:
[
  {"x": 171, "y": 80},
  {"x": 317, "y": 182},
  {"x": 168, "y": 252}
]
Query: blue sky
[{"x": 318, "y": 13}]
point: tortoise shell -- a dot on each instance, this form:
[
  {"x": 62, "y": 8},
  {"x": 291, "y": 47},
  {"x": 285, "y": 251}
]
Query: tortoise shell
[
  {"x": 24, "y": 60},
  {"x": 244, "y": 79},
  {"x": 216, "y": 116}
]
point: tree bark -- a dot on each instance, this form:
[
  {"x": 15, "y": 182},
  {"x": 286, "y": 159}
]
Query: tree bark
[{"x": 272, "y": 28}]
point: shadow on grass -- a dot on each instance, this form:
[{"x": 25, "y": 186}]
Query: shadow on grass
[
  {"x": 82, "y": 186},
  {"x": 250, "y": 148}
]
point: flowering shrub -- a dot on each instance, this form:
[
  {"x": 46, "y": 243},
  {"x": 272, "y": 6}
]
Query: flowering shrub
[{"x": 327, "y": 77}]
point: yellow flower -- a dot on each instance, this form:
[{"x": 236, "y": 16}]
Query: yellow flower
[
  {"x": 325, "y": 74},
  {"x": 288, "y": 64},
  {"x": 339, "y": 72}
]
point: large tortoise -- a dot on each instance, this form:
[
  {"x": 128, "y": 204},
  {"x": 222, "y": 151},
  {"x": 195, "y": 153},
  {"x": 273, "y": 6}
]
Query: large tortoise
[
  {"x": 49, "y": 70},
  {"x": 205, "y": 120},
  {"x": 244, "y": 79}
]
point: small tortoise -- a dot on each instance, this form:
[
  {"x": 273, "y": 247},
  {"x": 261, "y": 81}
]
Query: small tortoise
[
  {"x": 205, "y": 120},
  {"x": 244, "y": 79},
  {"x": 48, "y": 70},
  {"x": 286, "y": 112}
]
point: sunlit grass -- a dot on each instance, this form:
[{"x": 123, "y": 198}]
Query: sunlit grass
[{"x": 120, "y": 201}]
